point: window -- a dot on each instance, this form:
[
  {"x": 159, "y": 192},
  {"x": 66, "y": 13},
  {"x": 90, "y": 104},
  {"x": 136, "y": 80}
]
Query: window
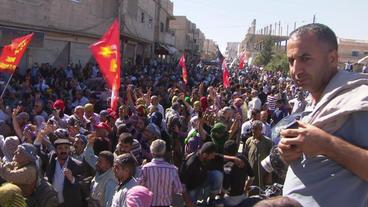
[
  {"x": 150, "y": 22},
  {"x": 167, "y": 24},
  {"x": 142, "y": 17},
  {"x": 355, "y": 53},
  {"x": 162, "y": 27}
]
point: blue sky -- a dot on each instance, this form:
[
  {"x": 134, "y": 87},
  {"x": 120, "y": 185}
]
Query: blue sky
[{"x": 228, "y": 20}]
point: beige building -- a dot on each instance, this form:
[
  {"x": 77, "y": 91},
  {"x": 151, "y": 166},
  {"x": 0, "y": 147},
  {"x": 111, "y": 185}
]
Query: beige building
[
  {"x": 138, "y": 27},
  {"x": 189, "y": 39},
  {"x": 209, "y": 50},
  {"x": 201, "y": 39},
  {"x": 164, "y": 35},
  {"x": 63, "y": 29},
  {"x": 232, "y": 50},
  {"x": 181, "y": 26},
  {"x": 352, "y": 50}
]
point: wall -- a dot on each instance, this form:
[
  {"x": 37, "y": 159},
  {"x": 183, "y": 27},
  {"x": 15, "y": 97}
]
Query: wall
[
  {"x": 346, "y": 48},
  {"x": 64, "y": 28},
  {"x": 85, "y": 17},
  {"x": 181, "y": 26}
]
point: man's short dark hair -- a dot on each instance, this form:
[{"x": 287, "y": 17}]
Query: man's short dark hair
[
  {"x": 108, "y": 156},
  {"x": 175, "y": 106},
  {"x": 230, "y": 147},
  {"x": 126, "y": 138},
  {"x": 255, "y": 112},
  {"x": 278, "y": 201},
  {"x": 121, "y": 129},
  {"x": 127, "y": 161},
  {"x": 322, "y": 32},
  {"x": 208, "y": 148}
]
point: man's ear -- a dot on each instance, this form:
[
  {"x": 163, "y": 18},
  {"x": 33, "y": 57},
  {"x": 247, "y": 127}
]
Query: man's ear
[{"x": 333, "y": 58}]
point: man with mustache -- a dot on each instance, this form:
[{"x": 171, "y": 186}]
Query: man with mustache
[
  {"x": 327, "y": 150},
  {"x": 63, "y": 172}
]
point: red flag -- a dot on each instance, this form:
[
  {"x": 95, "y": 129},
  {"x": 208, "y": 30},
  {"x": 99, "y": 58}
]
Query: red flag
[
  {"x": 243, "y": 56},
  {"x": 225, "y": 75},
  {"x": 13, "y": 53},
  {"x": 183, "y": 69},
  {"x": 107, "y": 54}
]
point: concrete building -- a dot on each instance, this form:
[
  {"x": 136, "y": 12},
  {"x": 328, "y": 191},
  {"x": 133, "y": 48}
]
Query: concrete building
[
  {"x": 201, "y": 40},
  {"x": 352, "y": 50},
  {"x": 254, "y": 39},
  {"x": 198, "y": 42},
  {"x": 138, "y": 28},
  {"x": 181, "y": 26},
  {"x": 164, "y": 35},
  {"x": 63, "y": 29},
  {"x": 232, "y": 50},
  {"x": 209, "y": 50},
  {"x": 189, "y": 39}
]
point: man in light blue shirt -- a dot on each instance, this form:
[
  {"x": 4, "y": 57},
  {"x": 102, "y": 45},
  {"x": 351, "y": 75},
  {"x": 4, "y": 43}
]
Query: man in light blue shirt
[{"x": 327, "y": 152}]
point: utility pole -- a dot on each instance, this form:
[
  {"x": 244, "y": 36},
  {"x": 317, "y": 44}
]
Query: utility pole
[
  {"x": 121, "y": 25},
  {"x": 314, "y": 19}
]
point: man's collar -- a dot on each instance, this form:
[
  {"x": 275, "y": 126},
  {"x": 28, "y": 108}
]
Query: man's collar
[{"x": 158, "y": 159}]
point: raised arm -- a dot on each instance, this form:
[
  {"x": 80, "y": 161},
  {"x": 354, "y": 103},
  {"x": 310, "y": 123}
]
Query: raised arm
[{"x": 16, "y": 126}]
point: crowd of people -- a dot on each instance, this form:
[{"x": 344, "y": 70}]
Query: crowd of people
[
  {"x": 62, "y": 145},
  {"x": 70, "y": 136}
]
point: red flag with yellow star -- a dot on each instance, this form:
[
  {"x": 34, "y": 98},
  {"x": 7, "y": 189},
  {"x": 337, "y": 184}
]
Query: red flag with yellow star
[
  {"x": 12, "y": 54},
  {"x": 184, "y": 70},
  {"x": 242, "y": 59},
  {"x": 107, "y": 54},
  {"x": 225, "y": 75}
]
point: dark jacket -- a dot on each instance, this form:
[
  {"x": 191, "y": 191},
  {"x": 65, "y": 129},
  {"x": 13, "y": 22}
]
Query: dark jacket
[{"x": 72, "y": 192}]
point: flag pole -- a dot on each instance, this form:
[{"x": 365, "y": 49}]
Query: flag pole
[{"x": 11, "y": 76}]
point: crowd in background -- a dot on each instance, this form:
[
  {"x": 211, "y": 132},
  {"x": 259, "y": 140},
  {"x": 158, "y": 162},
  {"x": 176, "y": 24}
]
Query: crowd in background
[{"x": 62, "y": 145}]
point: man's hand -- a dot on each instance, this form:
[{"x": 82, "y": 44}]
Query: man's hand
[
  {"x": 238, "y": 162},
  {"x": 16, "y": 111},
  {"x": 68, "y": 174},
  {"x": 56, "y": 114},
  {"x": 307, "y": 139},
  {"x": 91, "y": 138}
]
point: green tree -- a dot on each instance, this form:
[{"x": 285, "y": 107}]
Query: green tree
[
  {"x": 278, "y": 61},
  {"x": 265, "y": 56}
]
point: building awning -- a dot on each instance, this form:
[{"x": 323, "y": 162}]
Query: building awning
[
  {"x": 172, "y": 50},
  {"x": 163, "y": 49}
]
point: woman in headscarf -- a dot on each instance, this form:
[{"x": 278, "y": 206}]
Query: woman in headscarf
[
  {"x": 10, "y": 145},
  {"x": 219, "y": 136},
  {"x": 11, "y": 196}
]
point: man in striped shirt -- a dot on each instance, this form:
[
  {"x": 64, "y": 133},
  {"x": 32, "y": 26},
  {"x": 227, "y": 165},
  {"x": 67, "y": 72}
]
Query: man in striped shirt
[{"x": 162, "y": 178}]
